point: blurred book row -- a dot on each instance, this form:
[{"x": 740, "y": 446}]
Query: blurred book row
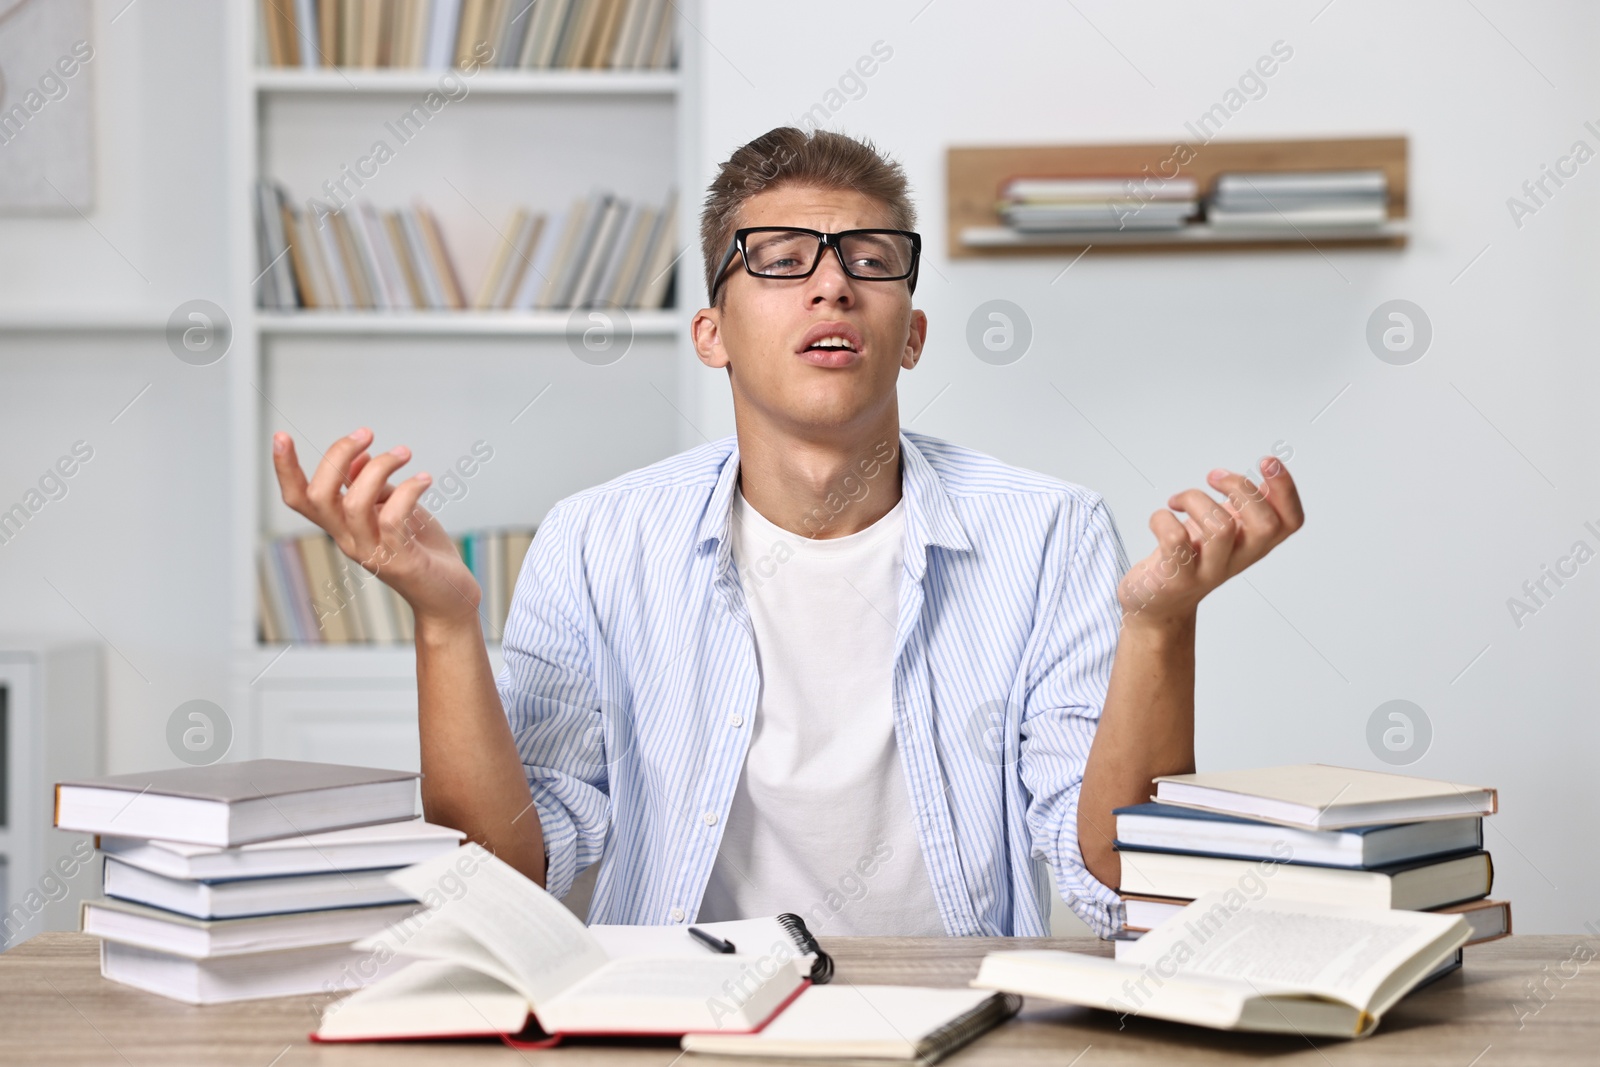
[
  {"x": 602, "y": 251},
  {"x": 309, "y": 591},
  {"x": 1276, "y": 203},
  {"x": 439, "y": 34}
]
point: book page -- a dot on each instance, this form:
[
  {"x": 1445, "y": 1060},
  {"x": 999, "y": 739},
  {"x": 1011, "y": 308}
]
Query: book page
[
  {"x": 643, "y": 994},
  {"x": 424, "y": 999},
  {"x": 1288, "y": 947},
  {"x": 757, "y": 938},
  {"x": 542, "y": 944},
  {"x": 431, "y": 937}
]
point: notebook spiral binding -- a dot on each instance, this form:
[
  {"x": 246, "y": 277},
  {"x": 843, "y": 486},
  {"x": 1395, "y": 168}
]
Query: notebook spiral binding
[{"x": 822, "y": 967}]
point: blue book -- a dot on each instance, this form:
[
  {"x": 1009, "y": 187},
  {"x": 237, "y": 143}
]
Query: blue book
[{"x": 1170, "y": 828}]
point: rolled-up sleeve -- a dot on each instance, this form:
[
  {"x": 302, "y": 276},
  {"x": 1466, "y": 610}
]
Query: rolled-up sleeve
[
  {"x": 1066, "y": 690},
  {"x": 547, "y": 688}
]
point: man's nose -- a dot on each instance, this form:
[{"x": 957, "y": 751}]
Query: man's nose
[{"x": 830, "y": 282}]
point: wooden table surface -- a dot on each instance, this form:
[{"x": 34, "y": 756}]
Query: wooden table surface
[{"x": 56, "y": 1009}]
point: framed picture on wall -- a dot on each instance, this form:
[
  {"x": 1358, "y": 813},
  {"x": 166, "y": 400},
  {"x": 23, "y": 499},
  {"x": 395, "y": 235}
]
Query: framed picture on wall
[{"x": 46, "y": 107}]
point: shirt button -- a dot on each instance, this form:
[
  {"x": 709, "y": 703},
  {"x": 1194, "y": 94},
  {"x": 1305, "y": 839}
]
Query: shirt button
[
  {"x": 711, "y": 818},
  {"x": 677, "y": 915},
  {"x": 736, "y": 719}
]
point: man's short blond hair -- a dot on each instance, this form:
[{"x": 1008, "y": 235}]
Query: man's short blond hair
[{"x": 787, "y": 155}]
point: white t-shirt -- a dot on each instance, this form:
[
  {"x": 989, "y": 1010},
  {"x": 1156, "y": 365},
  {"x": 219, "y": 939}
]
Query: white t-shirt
[{"x": 821, "y": 823}]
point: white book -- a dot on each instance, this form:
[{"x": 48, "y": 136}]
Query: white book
[
  {"x": 540, "y": 53},
  {"x": 571, "y": 266},
  {"x": 598, "y": 253},
  {"x": 417, "y": 249},
  {"x": 367, "y": 253},
  {"x": 249, "y": 896},
  {"x": 649, "y": 30},
  {"x": 630, "y": 258},
  {"x": 1231, "y": 963},
  {"x": 576, "y": 219},
  {"x": 537, "y": 276},
  {"x": 341, "y": 288},
  {"x": 442, "y": 34},
  {"x": 659, "y": 221},
  {"x": 390, "y": 844},
  {"x": 495, "y": 948},
  {"x": 1321, "y": 184},
  {"x": 181, "y": 935},
  {"x": 234, "y": 803},
  {"x": 1318, "y": 796},
  {"x": 1287, "y": 219},
  {"x": 252, "y": 976},
  {"x": 391, "y": 278},
  {"x": 616, "y": 256},
  {"x": 1134, "y": 186},
  {"x": 305, "y": 18}
]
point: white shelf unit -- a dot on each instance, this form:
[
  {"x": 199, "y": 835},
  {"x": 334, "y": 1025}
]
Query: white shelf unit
[
  {"x": 52, "y": 727},
  {"x": 449, "y": 323},
  {"x": 530, "y": 82},
  {"x": 433, "y": 380}
]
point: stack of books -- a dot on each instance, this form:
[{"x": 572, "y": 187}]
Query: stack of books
[
  {"x": 602, "y": 251},
  {"x": 254, "y": 879},
  {"x": 311, "y": 592},
  {"x": 1310, "y": 833},
  {"x": 437, "y": 34},
  {"x": 1089, "y": 205},
  {"x": 1282, "y": 203}
]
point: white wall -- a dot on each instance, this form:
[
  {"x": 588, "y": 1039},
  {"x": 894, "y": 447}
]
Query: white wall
[
  {"x": 137, "y": 550},
  {"x": 1428, "y": 488},
  {"x": 1424, "y": 515}
]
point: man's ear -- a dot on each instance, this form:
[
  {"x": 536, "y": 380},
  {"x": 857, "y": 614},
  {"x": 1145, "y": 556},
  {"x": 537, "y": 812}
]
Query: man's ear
[
  {"x": 915, "y": 336},
  {"x": 706, "y": 330}
]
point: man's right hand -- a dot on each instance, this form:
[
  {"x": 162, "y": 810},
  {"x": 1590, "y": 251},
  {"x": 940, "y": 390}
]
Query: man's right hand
[{"x": 381, "y": 527}]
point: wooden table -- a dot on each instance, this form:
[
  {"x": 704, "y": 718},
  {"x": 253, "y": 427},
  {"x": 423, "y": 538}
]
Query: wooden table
[{"x": 56, "y": 1009}]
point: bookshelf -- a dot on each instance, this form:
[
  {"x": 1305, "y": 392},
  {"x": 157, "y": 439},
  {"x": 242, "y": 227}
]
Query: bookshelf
[
  {"x": 52, "y": 729},
  {"x": 974, "y": 176},
  {"x": 433, "y": 379}
]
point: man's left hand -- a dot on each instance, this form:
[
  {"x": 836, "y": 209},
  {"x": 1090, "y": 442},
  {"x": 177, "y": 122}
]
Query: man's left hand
[{"x": 1215, "y": 541}]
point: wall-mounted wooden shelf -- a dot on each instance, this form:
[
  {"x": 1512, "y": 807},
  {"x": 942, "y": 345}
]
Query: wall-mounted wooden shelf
[{"x": 975, "y": 175}]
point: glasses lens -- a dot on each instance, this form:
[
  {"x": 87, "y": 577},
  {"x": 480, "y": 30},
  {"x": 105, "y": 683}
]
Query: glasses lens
[
  {"x": 780, "y": 253},
  {"x": 877, "y": 254}
]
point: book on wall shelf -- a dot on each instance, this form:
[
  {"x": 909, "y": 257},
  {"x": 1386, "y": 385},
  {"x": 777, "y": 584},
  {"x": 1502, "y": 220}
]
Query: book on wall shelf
[
  {"x": 445, "y": 34},
  {"x": 602, "y": 251},
  {"x": 310, "y": 592},
  {"x": 1239, "y": 206}
]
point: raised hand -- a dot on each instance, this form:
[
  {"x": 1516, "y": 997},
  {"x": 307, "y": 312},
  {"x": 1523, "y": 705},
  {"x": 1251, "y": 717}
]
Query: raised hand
[
  {"x": 1215, "y": 541},
  {"x": 381, "y": 527}
]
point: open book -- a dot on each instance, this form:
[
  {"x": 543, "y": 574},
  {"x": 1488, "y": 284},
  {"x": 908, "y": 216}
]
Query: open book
[
  {"x": 492, "y": 949},
  {"x": 1236, "y": 964}
]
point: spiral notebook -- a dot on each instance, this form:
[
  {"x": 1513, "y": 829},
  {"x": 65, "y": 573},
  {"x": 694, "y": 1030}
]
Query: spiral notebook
[{"x": 869, "y": 1022}]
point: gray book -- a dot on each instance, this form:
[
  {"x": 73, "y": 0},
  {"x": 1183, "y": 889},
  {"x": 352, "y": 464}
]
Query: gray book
[{"x": 234, "y": 803}]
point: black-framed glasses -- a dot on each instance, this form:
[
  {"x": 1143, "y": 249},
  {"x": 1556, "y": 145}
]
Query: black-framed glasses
[{"x": 795, "y": 252}]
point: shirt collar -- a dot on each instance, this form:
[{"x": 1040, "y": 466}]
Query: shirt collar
[{"x": 930, "y": 515}]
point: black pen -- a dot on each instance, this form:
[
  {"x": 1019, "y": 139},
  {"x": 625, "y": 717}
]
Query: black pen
[{"x": 710, "y": 941}]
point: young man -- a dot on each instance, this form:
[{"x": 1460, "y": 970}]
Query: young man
[{"x": 823, "y": 665}]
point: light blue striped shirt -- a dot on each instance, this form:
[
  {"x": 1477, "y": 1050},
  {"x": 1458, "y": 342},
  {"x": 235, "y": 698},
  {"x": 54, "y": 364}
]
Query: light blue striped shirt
[{"x": 630, "y": 682}]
